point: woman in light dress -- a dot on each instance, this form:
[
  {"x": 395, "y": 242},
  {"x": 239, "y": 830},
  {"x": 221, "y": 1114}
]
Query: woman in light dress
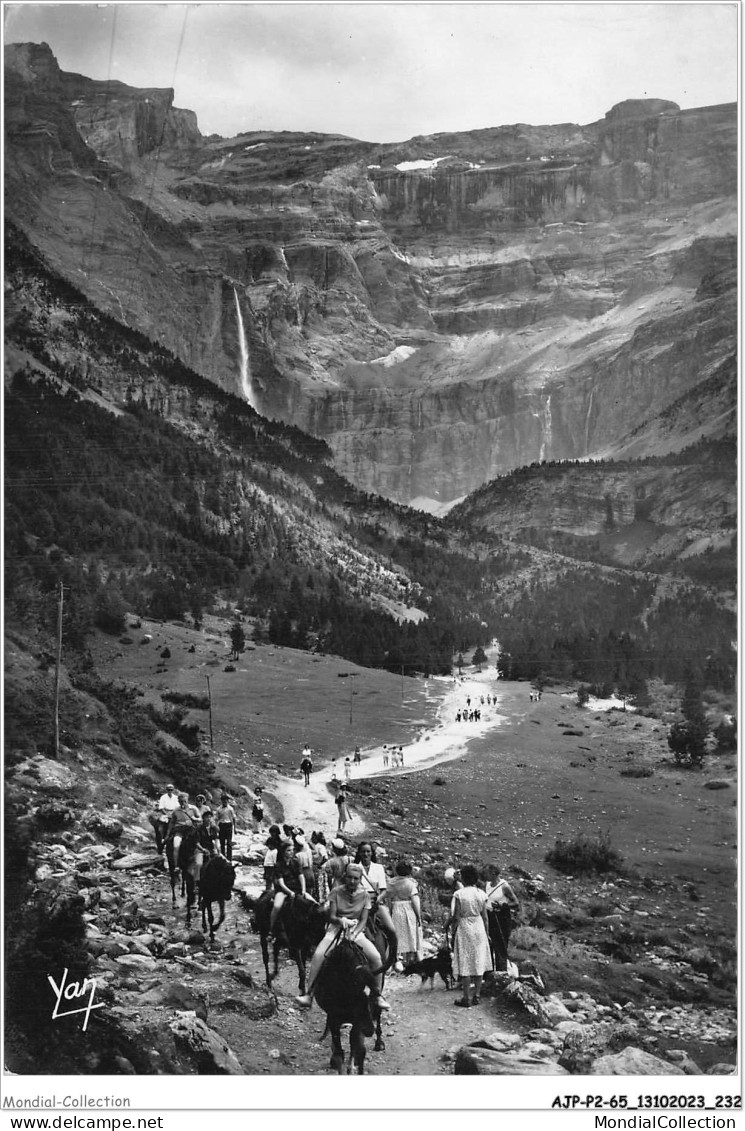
[
  {"x": 343, "y": 809},
  {"x": 471, "y": 955},
  {"x": 402, "y": 896}
]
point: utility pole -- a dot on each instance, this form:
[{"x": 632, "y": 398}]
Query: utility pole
[
  {"x": 352, "y": 677},
  {"x": 57, "y": 670},
  {"x": 402, "y": 683},
  {"x": 209, "y": 696}
]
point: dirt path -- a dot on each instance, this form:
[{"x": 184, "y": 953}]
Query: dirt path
[
  {"x": 423, "y": 1023},
  {"x": 494, "y": 805},
  {"x": 421, "y": 1031},
  {"x": 312, "y": 806}
]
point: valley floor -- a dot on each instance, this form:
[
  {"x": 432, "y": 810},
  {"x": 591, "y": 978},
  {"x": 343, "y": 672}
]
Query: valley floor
[{"x": 503, "y": 790}]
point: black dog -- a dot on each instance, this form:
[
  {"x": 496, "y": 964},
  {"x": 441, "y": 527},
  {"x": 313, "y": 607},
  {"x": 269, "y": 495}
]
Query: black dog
[{"x": 439, "y": 963}]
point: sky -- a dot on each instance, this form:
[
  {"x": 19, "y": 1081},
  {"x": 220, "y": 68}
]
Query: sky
[{"x": 385, "y": 72}]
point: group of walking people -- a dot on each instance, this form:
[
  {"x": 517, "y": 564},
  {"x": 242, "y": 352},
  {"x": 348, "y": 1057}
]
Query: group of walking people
[
  {"x": 175, "y": 811},
  {"x": 393, "y": 756},
  {"x": 351, "y": 886}
]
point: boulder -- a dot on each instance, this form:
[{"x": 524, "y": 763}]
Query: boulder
[
  {"x": 473, "y": 1061},
  {"x": 138, "y": 945},
  {"x": 539, "y": 1050},
  {"x": 684, "y": 1061},
  {"x": 175, "y": 950},
  {"x": 99, "y": 853},
  {"x": 176, "y": 996},
  {"x": 54, "y": 815},
  {"x": 139, "y": 860},
  {"x": 564, "y": 1028},
  {"x": 634, "y": 1062},
  {"x": 46, "y": 773},
  {"x": 137, "y": 962},
  {"x": 213, "y": 1055},
  {"x": 499, "y": 1042},
  {"x": 109, "y": 827},
  {"x": 555, "y": 1009},
  {"x": 525, "y": 998},
  {"x": 112, "y": 947}
]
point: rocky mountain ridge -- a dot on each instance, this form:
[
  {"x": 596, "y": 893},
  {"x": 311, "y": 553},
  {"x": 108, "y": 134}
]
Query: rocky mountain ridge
[
  {"x": 642, "y": 510},
  {"x": 441, "y": 311}
]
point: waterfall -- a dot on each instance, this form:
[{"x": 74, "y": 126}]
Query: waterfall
[
  {"x": 245, "y": 362},
  {"x": 587, "y": 421},
  {"x": 546, "y": 443}
]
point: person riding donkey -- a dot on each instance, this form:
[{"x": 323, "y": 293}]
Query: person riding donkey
[
  {"x": 375, "y": 881},
  {"x": 289, "y": 881},
  {"x": 167, "y": 802},
  {"x": 179, "y": 819},
  {"x": 349, "y": 907},
  {"x": 306, "y": 764}
]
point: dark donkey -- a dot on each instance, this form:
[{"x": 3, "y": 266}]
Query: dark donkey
[
  {"x": 181, "y": 852},
  {"x": 345, "y": 991},
  {"x": 300, "y": 927},
  {"x": 215, "y": 886}
]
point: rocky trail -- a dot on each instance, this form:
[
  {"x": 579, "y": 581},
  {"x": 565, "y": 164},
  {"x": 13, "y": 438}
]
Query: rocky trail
[{"x": 186, "y": 1005}]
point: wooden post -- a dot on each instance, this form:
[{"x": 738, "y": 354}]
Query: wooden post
[
  {"x": 209, "y": 696},
  {"x": 57, "y": 671}
]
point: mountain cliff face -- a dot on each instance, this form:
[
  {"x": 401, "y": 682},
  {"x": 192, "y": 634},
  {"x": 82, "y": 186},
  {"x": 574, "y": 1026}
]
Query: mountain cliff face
[{"x": 521, "y": 294}]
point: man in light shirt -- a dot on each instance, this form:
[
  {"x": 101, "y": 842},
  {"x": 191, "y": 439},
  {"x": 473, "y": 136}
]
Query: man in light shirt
[
  {"x": 168, "y": 800},
  {"x": 159, "y": 819}
]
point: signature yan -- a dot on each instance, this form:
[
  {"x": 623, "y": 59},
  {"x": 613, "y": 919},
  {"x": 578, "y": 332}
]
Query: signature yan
[{"x": 72, "y": 992}]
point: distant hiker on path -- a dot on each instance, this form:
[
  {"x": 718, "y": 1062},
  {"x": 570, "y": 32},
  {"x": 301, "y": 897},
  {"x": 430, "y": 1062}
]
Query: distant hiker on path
[
  {"x": 258, "y": 807},
  {"x": 306, "y": 765},
  {"x": 343, "y": 809},
  {"x": 357, "y": 756},
  {"x": 226, "y": 826},
  {"x": 347, "y": 769}
]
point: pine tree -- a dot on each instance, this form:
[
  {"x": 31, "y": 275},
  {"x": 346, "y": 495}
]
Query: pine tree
[
  {"x": 687, "y": 739},
  {"x": 237, "y": 639}
]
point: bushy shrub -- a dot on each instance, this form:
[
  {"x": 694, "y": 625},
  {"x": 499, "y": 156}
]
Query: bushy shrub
[
  {"x": 187, "y": 699},
  {"x": 110, "y": 611},
  {"x": 584, "y": 855},
  {"x": 726, "y": 736},
  {"x": 637, "y": 772}
]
